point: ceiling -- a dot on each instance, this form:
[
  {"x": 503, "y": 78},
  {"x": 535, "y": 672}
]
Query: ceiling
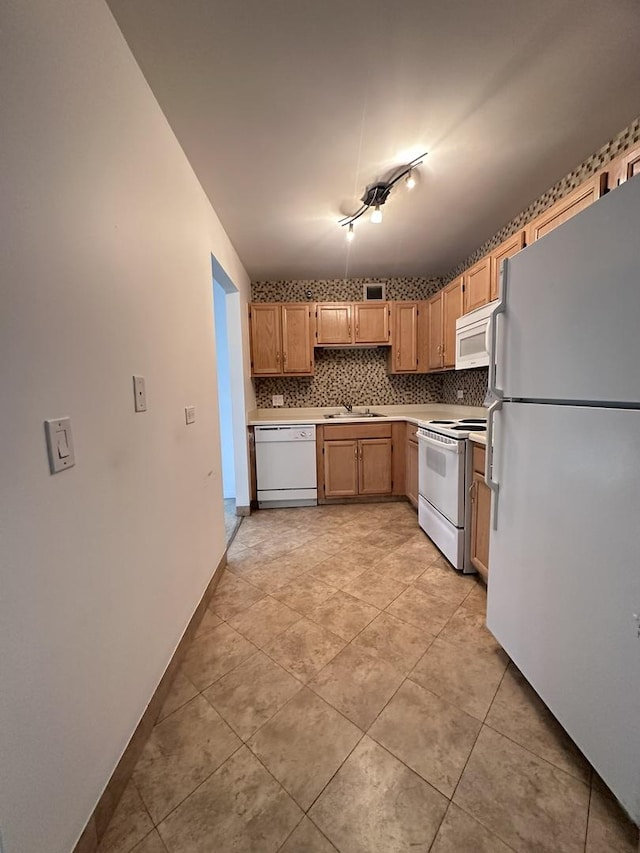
[{"x": 288, "y": 109}]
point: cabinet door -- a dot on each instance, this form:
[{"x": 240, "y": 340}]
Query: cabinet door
[
  {"x": 341, "y": 468},
  {"x": 451, "y": 310},
  {"x": 372, "y": 322},
  {"x": 412, "y": 472},
  {"x": 508, "y": 249},
  {"x": 334, "y": 323},
  {"x": 374, "y": 470},
  {"x": 266, "y": 339},
  {"x": 567, "y": 207},
  {"x": 480, "y": 524},
  {"x": 477, "y": 285},
  {"x": 434, "y": 326},
  {"x": 624, "y": 167},
  {"x": 297, "y": 345},
  {"x": 404, "y": 342}
]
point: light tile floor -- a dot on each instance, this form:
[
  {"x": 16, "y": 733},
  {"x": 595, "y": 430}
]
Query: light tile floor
[{"x": 343, "y": 694}]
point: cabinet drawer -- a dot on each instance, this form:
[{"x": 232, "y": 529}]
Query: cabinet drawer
[
  {"x": 355, "y": 431},
  {"x": 479, "y": 453}
]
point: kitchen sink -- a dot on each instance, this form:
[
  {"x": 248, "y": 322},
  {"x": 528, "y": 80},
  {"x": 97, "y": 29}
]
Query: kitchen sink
[{"x": 344, "y": 415}]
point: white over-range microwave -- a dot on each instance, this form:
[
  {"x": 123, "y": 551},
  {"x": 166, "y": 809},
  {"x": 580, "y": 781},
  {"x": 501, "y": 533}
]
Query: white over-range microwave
[{"x": 472, "y": 338}]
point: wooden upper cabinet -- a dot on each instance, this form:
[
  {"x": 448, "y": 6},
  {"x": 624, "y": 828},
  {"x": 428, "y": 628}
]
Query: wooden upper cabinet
[
  {"x": 266, "y": 339},
  {"x": 624, "y": 167},
  {"x": 451, "y": 309},
  {"x": 511, "y": 246},
  {"x": 567, "y": 207},
  {"x": 372, "y": 322},
  {"x": 403, "y": 356},
  {"x": 281, "y": 339},
  {"x": 434, "y": 332},
  {"x": 333, "y": 323},
  {"x": 477, "y": 285},
  {"x": 297, "y": 339},
  {"x": 345, "y": 323}
]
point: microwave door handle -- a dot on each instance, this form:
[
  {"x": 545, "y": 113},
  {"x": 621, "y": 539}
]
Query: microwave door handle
[
  {"x": 492, "y": 331},
  {"x": 496, "y": 406}
]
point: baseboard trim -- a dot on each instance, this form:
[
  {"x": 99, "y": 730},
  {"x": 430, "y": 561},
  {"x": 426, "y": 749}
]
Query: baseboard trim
[
  {"x": 103, "y": 812},
  {"x": 243, "y": 510}
]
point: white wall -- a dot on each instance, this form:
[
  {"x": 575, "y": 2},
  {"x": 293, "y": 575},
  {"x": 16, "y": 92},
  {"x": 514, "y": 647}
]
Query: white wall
[{"x": 106, "y": 240}]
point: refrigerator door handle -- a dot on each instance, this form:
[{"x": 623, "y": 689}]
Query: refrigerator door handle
[
  {"x": 492, "y": 331},
  {"x": 496, "y": 406}
]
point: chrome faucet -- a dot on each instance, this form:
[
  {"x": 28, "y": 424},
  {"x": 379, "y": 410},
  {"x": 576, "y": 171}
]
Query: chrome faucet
[{"x": 348, "y": 407}]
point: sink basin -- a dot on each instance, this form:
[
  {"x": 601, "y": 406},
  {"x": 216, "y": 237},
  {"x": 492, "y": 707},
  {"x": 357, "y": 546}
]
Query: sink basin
[{"x": 351, "y": 415}]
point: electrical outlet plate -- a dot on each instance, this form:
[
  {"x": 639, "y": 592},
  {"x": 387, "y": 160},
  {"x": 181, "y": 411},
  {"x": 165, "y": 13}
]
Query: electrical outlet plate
[
  {"x": 139, "y": 394},
  {"x": 277, "y": 400},
  {"x": 190, "y": 414},
  {"x": 460, "y": 395}
]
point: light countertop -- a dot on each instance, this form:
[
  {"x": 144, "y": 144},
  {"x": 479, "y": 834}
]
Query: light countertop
[
  {"x": 411, "y": 413},
  {"x": 479, "y": 438}
]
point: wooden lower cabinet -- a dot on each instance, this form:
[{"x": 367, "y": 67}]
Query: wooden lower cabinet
[
  {"x": 480, "y": 515},
  {"x": 355, "y": 467},
  {"x": 374, "y": 469},
  {"x": 341, "y": 468},
  {"x": 412, "y": 465},
  {"x": 355, "y": 460}
]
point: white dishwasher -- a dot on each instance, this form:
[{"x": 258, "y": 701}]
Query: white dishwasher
[{"x": 286, "y": 465}]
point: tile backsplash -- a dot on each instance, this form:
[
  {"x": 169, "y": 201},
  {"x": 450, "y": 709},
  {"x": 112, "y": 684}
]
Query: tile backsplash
[
  {"x": 355, "y": 376},
  {"x": 472, "y": 382},
  {"x": 340, "y": 289}
]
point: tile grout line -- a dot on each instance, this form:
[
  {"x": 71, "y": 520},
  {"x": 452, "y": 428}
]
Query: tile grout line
[
  {"x": 404, "y": 678},
  {"x": 536, "y": 755},
  {"x": 586, "y": 829},
  {"x": 482, "y": 724},
  {"x": 199, "y": 785}
]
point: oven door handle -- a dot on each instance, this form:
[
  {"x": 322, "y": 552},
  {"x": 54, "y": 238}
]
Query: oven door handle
[{"x": 456, "y": 447}]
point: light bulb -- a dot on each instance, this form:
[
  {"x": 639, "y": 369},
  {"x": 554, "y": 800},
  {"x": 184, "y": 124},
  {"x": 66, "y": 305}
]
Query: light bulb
[
  {"x": 410, "y": 181},
  {"x": 350, "y": 232},
  {"x": 376, "y": 216}
]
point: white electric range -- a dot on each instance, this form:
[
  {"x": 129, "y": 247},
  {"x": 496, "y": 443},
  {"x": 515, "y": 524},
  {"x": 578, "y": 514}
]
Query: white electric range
[{"x": 442, "y": 448}]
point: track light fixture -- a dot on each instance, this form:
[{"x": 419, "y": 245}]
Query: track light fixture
[{"x": 376, "y": 195}]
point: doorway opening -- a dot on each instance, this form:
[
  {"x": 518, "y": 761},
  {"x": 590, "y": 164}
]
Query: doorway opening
[{"x": 225, "y": 414}]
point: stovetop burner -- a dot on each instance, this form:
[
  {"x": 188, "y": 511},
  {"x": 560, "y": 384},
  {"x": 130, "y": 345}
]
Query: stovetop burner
[{"x": 458, "y": 429}]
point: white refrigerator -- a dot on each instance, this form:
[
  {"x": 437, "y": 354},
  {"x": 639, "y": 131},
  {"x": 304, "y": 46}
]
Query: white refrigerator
[{"x": 563, "y": 463}]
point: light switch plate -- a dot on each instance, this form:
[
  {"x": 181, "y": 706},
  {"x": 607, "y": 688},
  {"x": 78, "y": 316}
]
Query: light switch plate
[
  {"x": 277, "y": 400},
  {"x": 59, "y": 444},
  {"x": 190, "y": 414},
  {"x": 139, "y": 394}
]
